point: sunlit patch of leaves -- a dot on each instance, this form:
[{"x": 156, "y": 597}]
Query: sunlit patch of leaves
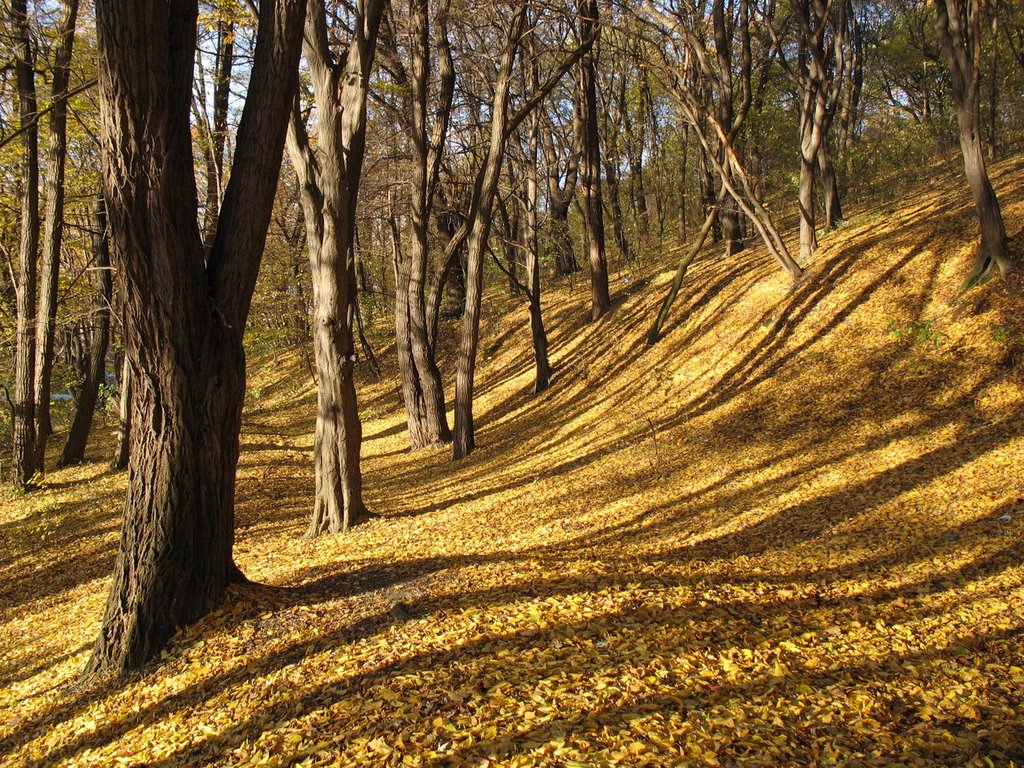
[{"x": 776, "y": 538}]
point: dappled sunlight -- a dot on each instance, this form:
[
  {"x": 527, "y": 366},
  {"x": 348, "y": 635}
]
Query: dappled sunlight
[{"x": 788, "y": 533}]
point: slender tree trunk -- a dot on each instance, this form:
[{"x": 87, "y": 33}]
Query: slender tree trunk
[
  {"x": 185, "y": 308},
  {"x": 593, "y": 208},
  {"x": 463, "y": 440},
  {"x": 833, "y": 208},
  {"x": 53, "y": 233},
  {"x": 25, "y": 466},
  {"x": 74, "y": 449},
  {"x": 329, "y": 184},
  {"x": 531, "y": 239}
]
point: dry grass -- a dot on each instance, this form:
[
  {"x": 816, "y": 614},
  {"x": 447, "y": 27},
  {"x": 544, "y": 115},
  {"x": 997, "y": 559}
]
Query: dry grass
[{"x": 788, "y": 534}]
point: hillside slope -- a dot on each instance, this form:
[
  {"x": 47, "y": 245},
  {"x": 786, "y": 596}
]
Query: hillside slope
[{"x": 790, "y": 533}]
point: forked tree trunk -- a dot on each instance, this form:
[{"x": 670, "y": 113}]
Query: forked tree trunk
[
  {"x": 23, "y": 441},
  {"x": 422, "y": 387},
  {"x": 185, "y": 308},
  {"x": 329, "y": 183},
  {"x": 78, "y": 435}
]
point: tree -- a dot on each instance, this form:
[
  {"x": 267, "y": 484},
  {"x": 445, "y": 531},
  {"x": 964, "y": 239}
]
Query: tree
[
  {"x": 184, "y": 309},
  {"x": 958, "y": 26},
  {"x": 422, "y": 388},
  {"x": 329, "y": 180},
  {"x": 53, "y": 233},
  {"x": 590, "y": 162},
  {"x": 74, "y": 448},
  {"x": 25, "y": 466}
]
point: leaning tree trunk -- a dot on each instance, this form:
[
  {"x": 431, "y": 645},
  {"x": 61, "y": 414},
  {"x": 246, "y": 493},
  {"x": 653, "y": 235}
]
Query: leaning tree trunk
[
  {"x": 463, "y": 439},
  {"x": 958, "y": 26},
  {"x": 185, "y": 308},
  {"x": 74, "y": 448},
  {"x": 25, "y": 466}
]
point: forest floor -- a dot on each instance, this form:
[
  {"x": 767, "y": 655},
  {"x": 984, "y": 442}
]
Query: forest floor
[{"x": 790, "y": 533}]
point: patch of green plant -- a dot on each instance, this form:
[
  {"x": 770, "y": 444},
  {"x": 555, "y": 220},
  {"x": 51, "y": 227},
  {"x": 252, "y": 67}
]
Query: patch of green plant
[
  {"x": 1001, "y": 332},
  {"x": 923, "y": 332}
]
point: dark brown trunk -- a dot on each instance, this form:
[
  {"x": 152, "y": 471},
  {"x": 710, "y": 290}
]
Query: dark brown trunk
[
  {"x": 422, "y": 388},
  {"x": 74, "y": 448},
  {"x": 185, "y": 309},
  {"x": 590, "y": 166},
  {"x": 53, "y": 233},
  {"x": 25, "y": 466}
]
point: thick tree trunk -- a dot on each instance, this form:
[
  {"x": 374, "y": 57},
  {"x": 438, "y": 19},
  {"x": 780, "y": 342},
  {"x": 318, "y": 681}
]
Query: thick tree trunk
[
  {"x": 185, "y": 308},
  {"x": 25, "y": 466},
  {"x": 78, "y": 435},
  {"x": 53, "y": 234}
]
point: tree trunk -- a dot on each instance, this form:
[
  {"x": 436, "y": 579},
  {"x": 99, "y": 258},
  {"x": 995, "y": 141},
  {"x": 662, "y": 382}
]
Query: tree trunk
[
  {"x": 593, "y": 208},
  {"x": 958, "y": 26},
  {"x": 463, "y": 440},
  {"x": 185, "y": 308},
  {"x": 329, "y": 185},
  {"x": 53, "y": 233},
  {"x": 25, "y": 466},
  {"x": 422, "y": 387},
  {"x": 531, "y": 239},
  {"x": 74, "y": 449},
  {"x": 833, "y": 208}
]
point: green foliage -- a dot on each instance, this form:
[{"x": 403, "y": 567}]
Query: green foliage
[{"x": 918, "y": 332}]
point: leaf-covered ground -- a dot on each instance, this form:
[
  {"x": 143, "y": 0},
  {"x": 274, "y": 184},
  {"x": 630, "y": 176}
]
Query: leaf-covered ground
[{"x": 788, "y": 534}]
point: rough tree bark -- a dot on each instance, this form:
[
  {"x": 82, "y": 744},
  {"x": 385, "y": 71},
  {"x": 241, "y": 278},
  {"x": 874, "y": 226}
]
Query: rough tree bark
[{"x": 185, "y": 309}]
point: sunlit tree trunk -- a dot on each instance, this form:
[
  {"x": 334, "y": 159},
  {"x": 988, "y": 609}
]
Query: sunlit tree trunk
[
  {"x": 959, "y": 30},
  {"x": 329, "y": 181}
]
